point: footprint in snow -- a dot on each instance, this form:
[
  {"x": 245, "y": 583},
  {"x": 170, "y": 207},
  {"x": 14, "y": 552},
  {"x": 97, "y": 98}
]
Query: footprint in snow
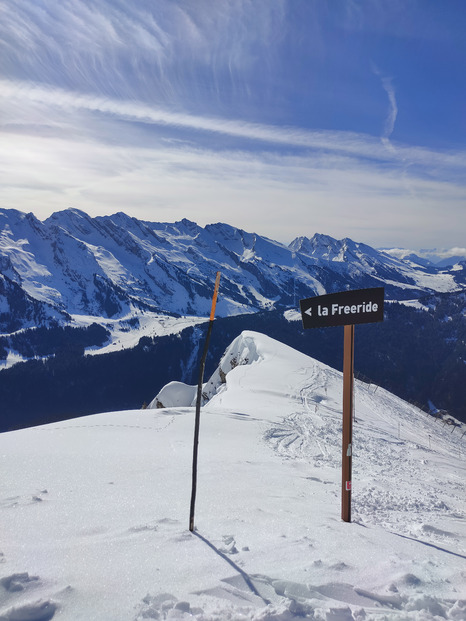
[
  {"x": 18, "y": 582},
  {"x": 142, "y": 528},
  {"x": 42, "y": 610},
  {"x": 229, "y": 545}
]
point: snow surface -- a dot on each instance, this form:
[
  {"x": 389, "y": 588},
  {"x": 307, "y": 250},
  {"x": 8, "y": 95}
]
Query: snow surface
[
  {"x": 124, "y": 334},
  {"x": 12, "y": 358},
  {"x": 94, "y": 511}
]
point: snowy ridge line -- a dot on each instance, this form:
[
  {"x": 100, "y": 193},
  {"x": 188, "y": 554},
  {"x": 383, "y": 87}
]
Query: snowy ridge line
[
  {"x": 442, "y": 415},
  {"x": 54, "y": 427},
  {"x": 109, "y": 267},
  {"x": 427, "y": 421}
]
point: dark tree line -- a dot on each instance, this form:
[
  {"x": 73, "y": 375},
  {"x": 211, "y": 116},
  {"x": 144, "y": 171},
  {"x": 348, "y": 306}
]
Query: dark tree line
[
  {"x": 418, "y": 355},
  {"x": 53, "y": 340}
]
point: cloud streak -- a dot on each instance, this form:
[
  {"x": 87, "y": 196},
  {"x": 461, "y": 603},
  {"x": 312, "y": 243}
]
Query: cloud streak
[
  {"x": 393, "y": 111},
  {"x": 337, "y": 195},
  {"x": 390, "y": 120},
  {"x": 165, "y": 51},
  {"x": 343, "y": 143},
  {"x": 98, "y": 154},
  {"x": 217, "y": 111}
]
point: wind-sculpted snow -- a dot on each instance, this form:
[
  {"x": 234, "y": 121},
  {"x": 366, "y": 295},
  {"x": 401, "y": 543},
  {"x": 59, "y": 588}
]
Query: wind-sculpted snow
[
  {"x": 94, "y": 511},
  {"x": 241, "y": 351},
  {"x": 174, "y": 394}
]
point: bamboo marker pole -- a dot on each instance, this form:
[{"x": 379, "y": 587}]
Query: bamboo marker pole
[{"x": 198, "y": 404}]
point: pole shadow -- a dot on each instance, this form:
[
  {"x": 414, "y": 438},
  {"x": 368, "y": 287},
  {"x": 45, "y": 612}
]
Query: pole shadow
[
  {"x": 236, "y": 567},
  {"x": 431, "y": 545}
]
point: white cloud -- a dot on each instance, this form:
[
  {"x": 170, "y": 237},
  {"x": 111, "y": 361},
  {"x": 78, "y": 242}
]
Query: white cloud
[
  {"x": 148, "y": 107},
  {"x": 393, "y": 109},
  {"x": 163, "y": 51},
  {"x": 56, "y": 100},
  {"x": 390, "y": 120},
  {"x": 434, "y": 254},
  {"x": 278, "y": 195}
]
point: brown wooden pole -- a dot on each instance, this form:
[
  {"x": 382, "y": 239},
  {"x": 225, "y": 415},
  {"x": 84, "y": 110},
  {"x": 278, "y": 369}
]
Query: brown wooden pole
[{"x": 347, "y": 442}]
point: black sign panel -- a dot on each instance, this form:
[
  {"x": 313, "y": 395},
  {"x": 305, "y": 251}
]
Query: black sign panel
[{"x": 343, "y": 309}]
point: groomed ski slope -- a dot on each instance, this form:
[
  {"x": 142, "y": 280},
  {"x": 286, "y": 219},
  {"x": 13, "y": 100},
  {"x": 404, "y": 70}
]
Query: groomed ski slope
[{"x": 94, "y": 511}]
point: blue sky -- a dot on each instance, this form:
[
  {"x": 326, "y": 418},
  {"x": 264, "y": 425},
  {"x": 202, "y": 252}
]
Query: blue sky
[{"x": 283, "y": 117}]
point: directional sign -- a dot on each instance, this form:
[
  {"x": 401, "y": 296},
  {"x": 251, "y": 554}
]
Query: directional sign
[{"x": 343, "y": 309}]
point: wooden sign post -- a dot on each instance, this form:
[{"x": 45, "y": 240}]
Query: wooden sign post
[
  {"x": 347, "y": 436},
  {"x": 345, "y": 309}
]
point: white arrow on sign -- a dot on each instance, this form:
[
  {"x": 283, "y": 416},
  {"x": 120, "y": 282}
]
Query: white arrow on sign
[{"x": 309, "y": 312}]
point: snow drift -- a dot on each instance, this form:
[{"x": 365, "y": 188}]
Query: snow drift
[
  {"x": 242, "y": 351},
  {"x": 94, "y": 511}
]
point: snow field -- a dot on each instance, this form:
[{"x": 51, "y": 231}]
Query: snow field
[{"x": 94, "y": 511}]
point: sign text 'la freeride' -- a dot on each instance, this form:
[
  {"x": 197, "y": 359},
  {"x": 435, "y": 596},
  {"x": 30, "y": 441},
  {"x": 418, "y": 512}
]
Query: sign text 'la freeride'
[{"x": 344, "y": 308}]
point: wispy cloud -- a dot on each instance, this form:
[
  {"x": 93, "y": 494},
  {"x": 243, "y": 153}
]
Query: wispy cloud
[
  {"x": 338, "y": 142},
  {"x": 63, "y": 148},
  {"x": 166, "y": 52},
  {"x": 216, "y": 111},
  {"x": 390, "y": 120},
  {"x": 393, "y": 110},
  {"x": 339, "y": 195}
]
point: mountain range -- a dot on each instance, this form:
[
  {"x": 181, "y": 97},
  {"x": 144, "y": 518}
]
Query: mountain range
[
  {"x": 73, "y": 265},
  {"x": 74, "y": 286}
]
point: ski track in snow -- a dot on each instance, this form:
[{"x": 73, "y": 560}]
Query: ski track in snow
[
  {"x": 314, "y": 433},
  {"x": 165, "y": 422}
]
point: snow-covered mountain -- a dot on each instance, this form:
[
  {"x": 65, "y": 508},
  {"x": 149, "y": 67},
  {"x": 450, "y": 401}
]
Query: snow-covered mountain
[
  {"x": 94, "y": 511},
  {"x": 113, "y": 266},
  {"x": 74, "y": 286}
]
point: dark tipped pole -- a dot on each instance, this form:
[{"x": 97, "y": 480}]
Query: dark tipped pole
[{"x": 198, "y": 405}]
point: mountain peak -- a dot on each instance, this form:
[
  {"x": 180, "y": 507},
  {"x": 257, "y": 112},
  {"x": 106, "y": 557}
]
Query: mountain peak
[
  {"x": 13, "y": 215},
  {"x": 189, "y": 225},
  {"x": 319, "y": 246},
  {"x": 306, "y": 244},
  {"x": 225, "y": 230},
  {"x": 73, "y": 220},
  {"x": 8, "y": 213},
  {"x": 70, "y": 213}
]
